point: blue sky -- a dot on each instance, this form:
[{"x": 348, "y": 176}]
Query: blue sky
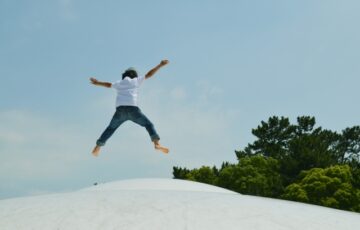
[{"x": 232, "y": 64}]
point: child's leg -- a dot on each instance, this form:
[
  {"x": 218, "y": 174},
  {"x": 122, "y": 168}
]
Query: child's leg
[
  {"x": 96, "y": 150},
  {"x": 139, "y": 118},
  {"x": 115, "y": 122},
  {"x": 159, "y": 147}
]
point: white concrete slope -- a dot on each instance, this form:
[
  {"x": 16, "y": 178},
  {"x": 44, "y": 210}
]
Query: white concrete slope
[{"x": 166, "y": 204}]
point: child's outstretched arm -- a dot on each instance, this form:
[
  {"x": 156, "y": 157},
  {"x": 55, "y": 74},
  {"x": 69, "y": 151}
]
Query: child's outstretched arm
[
  {"x": 94, "y": 81},
  {"x": 156, "y": 68}
]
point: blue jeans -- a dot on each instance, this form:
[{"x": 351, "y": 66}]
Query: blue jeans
[{"x": 125, "y": 113}]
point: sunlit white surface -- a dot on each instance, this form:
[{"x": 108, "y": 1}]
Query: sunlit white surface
[{"x": 166, "y": 204}]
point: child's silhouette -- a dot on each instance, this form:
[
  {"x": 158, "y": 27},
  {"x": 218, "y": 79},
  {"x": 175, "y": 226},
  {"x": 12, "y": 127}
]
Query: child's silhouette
[{"x": 126, "y": 106}]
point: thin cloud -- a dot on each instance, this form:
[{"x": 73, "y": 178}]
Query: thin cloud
[
  {"x": 66, "y": 10},
  {"x": 40, "y": 148}
]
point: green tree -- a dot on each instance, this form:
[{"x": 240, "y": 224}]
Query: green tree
[
  {"x": 272, "y": 138},
  {"x": 331, "y": 187},
  {"x": 204, "y": 174},
  {"x": 301, "y": 146},
  {"x": 180, "y": 173},
  {"x": 349, "y": 145},
  {"x": 355, "y": 171},
  {"x": 312, "y": 150},
  {"x": 255, "y": 175},
  {"x": 300, "y": 157}
]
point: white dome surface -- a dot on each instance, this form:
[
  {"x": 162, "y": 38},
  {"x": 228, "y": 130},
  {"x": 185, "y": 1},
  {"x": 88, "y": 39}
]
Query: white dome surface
[
  {"x": 158, "y": 184},
  {"x": 166, "y": 204}
]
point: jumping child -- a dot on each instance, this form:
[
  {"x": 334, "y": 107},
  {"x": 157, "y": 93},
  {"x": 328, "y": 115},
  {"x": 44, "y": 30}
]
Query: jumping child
[{"x": 127, "y": 106}]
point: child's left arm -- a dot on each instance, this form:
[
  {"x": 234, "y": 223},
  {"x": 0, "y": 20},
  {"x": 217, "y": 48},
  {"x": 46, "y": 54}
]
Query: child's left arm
[{"x": 156, "y": 68}]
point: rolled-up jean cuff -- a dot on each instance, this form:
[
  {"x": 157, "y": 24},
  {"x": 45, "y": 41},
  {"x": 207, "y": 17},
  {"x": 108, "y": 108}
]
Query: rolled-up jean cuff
[
  {"x": 155, "y": 137},
  {"x": 99, "y": 143}
]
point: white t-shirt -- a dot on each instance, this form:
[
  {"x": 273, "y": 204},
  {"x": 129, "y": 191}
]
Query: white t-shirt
[{"x": 127, "y": 90}]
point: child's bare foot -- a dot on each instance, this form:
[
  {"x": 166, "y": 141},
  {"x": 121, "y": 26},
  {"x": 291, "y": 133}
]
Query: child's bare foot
[
  {"x": 96, "y": 151},
  {"x": 161, "y": 148}
]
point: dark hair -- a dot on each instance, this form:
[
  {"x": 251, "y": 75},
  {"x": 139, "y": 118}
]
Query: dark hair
[{"x": 130, "y": 73}]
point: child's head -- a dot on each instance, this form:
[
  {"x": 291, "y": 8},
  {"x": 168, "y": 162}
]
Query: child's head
[{"x": 130, "y": 72}]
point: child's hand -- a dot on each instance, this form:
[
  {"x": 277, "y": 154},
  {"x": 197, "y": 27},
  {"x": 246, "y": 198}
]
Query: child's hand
[
  {"x": 164, "y": 62},
  {"x": 94, "y": 80}
]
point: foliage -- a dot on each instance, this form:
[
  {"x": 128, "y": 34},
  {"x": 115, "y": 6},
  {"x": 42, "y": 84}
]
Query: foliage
[
  {"x": 329, "y": 187},
  {"x": 301, "y": 146},
  {"x": 315, "y": 165},
  {"x": 204, "y": 174},
  {"x": 255, "y": 175},
  {"x": 180, "y": 173}
]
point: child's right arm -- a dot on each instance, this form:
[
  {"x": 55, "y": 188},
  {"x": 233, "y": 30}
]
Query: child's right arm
[{"x": 94, "y": 81}]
